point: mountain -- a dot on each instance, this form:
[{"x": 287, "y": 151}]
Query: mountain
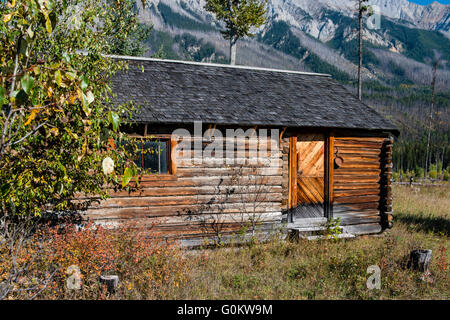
[
  {"x": 308, "y": 15},
  {"x": 314, "y": 35}
]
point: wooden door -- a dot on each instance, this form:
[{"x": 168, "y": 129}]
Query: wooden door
[{"x": 309, "y": 176}]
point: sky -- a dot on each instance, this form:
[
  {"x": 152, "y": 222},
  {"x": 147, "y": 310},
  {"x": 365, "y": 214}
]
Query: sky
[{"x": 430, "y": 1}]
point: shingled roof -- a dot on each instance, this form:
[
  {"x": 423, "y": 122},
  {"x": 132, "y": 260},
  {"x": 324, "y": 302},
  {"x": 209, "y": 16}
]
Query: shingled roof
[{"x": 176, "y": 92}]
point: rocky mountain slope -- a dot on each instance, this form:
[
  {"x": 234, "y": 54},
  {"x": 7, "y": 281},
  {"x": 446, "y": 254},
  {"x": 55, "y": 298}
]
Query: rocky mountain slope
[
  {"x": 324, "y": 32},
  {"x": 310, "y": 15}
]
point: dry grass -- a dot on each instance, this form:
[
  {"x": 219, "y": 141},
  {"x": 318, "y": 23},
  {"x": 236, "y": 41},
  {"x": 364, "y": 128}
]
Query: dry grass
[{"x": 335, "y": 270}]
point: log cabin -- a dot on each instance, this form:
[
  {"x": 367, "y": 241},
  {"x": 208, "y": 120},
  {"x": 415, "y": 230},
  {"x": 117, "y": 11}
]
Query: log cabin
[{"x": 302, "y": 150}]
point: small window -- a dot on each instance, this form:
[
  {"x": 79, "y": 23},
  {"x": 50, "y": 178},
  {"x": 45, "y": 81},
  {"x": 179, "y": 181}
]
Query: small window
[{"x": 151, "y": 155}]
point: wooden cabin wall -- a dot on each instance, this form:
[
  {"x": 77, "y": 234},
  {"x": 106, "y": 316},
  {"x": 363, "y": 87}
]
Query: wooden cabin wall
[
  {"x": 362, "y": 192},
  {"x": 358, "y": 188},
  {"x": 386, "y": 211},
  {"x": 176, "y": 205}
]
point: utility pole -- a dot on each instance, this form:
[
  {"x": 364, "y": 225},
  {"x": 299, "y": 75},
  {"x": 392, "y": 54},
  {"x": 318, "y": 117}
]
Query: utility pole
[
  {"x": 360, "y": 35},
  {"x": 363, "y": 9}
]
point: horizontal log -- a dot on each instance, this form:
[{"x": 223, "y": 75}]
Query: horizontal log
[
  {"x": 344, "y": 149},
  {"x": 197, "y": 172},
  {"x": 361, "y": 139},
  {"x": 359, "y": 149},
  {"x": 358, "y": 192},
  {"x": 197, "y": 229},
  {"x": 241, "y": 218},
  {"x": 207, "y": 181},
  {"x": 216, "y": 162},
  {"x": 354, "y": 186},
  {"x": 355, "y": 178},
  {"x": 355, "y": 207},
  {"x": 348, "y": 221},
  {"x": 183, "y": 191},
  {"x": 182, "y": 200},
  {"x": 213, "y": 150},
  {"x": 345, "y": 210},
  {"x": 177, "y": 210},
  {"x": 225, "y": 139},
  {"x": 157, "y": 177},
  {"x": 364, "y": 228},
  {"x": 361, "y": 157},
  {"x": 358, "y": 164},
  {"x": 358, "y": 144},
  {"x": 356, "y": 199},
  {"x": 357, "y": 172}
]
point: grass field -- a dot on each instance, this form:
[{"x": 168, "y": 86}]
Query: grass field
[{"x": 335, "y": 270}]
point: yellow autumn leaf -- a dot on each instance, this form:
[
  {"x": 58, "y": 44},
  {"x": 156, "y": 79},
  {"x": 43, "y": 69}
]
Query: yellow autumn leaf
[
  {"x": 83, "y": 150},
  {"x": 73, "y": 135},
  {"x": 48, "y": 25},
  {"x": 50, "y": 92},
  {"x": 54, "y": 131},
  {"x": 12, "y": 4},
  {"x": 7, "y": 17},
  {"x": 72, "y": 98},
  {"x": 32, "y": 116},
  {"x": 58, "y": 78}
]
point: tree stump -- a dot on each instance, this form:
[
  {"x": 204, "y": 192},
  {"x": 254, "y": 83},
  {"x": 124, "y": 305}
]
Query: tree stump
[
  {"x": 111, "y": 282},
  {"x": 419, "y": 260}
]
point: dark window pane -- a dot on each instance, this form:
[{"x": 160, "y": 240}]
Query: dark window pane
[
  {"x": 163, "y": 158},
  {"x": 149, "y": 155},
  {"x": 155, "y": 156}
]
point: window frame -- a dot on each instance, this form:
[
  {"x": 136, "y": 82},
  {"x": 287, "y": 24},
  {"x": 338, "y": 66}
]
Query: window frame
[
  {"x": 159, "y": 153},
  {"x": 170, "y": 153}
]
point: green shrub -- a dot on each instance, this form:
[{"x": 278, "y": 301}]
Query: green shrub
[
  {"x": 298, "y": 271},
  {"x": 433, "y": 174},
  {"x": 420, "y": 172},
  {"x": 241, "y": 282},
  {"x": 396, "y": 176}
]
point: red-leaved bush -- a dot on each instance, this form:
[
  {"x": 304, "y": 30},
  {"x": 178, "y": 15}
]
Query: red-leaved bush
[{"x": 148, "y": 266}]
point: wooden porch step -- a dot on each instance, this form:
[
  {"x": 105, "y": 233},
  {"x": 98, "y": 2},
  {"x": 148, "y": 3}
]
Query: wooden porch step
[
  {"x": 318, "y": 237},
  {"x": 307, "y": 223},
  {"x": 309, "y": 229}
]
